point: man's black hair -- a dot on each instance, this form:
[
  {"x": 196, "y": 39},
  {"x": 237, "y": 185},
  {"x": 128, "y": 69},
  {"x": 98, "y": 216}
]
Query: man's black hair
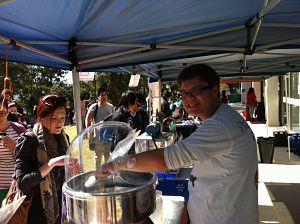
[
  {"x": 140, "y": 98},
  {"x": 202, "y": 71},
  {"x": 128, "y": 98},
  {"x": 101, "y": 90}
]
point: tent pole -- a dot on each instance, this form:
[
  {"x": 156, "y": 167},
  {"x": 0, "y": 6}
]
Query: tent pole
[
  {"x": 264, "y": 11},
  {"x": 76, "y": 96},
  {"x": 260, "y": 19},
  {"x": 281, "y": 25},
  {"x": 275, "y": 64},
  {"x": 159, "y": 93},
  {"x": 275, "y": 44},
  {"x": 27, "y": 47}
]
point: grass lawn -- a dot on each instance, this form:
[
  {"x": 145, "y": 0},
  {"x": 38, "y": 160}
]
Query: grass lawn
[
  {"x": 87, "y": 156},
  {"x": 71, "y": 131}
]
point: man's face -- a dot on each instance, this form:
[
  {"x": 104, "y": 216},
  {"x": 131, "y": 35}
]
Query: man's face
[
  {"x": 103, "y": 97},
  {"x": 199, "y": 98}
]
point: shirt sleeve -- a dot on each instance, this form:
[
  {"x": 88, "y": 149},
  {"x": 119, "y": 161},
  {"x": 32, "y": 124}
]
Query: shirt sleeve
[
  {"x": 27, "y": 173},
  {"x": 209, "y": 140}
]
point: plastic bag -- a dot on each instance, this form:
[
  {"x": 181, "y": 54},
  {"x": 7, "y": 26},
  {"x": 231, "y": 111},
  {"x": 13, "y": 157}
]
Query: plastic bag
[
  {"x": 123, "y": 146},
  {"x": 7, "y": 211}
]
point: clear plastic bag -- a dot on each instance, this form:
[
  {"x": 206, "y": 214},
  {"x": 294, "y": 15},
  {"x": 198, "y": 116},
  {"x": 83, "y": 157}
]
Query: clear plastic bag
[
  {"x": 7, "y": 210},
  {"x": 123, "y": 146}
]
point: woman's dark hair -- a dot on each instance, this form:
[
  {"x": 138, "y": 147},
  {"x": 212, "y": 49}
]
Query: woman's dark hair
[
  {"x": 48, "y": 104},
  {"x": 127, "y": 99},
  {"x": 251, "y": 90},
  {"x": 202, "y": 71}
]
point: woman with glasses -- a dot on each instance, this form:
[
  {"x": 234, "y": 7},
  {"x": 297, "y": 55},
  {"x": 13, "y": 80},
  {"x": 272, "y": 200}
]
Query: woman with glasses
[
  {"x": 40, "y": 160},
  {"x": 9, "y": 135}
]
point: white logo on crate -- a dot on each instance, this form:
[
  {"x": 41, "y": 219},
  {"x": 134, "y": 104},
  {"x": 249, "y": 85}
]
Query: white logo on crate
[{"x": 180, "y": 187}]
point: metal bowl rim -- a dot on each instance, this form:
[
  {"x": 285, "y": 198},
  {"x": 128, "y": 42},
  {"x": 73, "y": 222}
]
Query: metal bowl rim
[{"x": 70, "y": 191}]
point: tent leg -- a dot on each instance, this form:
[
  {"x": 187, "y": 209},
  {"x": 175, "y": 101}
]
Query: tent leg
[
  {"x": 159, "y": 93},
  {"x": 76, "y": 96}
]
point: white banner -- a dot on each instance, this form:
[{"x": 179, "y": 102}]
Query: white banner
[
  {"x": 134, "y": 80},
  {"x": 86, "y": 76}
]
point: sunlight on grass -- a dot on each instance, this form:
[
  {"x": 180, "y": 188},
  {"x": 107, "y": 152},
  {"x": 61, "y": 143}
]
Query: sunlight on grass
[
  {"x": 71, "y": 132},
  {"x": 87, "y": 156}
]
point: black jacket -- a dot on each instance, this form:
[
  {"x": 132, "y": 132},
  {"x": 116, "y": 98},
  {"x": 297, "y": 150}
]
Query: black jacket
[{"x": 29, "y": 177}]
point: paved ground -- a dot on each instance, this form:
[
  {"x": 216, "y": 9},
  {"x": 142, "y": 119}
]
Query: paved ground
[{"x": 279, "y": 187}]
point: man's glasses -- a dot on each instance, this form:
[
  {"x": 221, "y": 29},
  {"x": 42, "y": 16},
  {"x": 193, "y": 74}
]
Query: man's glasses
[{"x": 195, "y": 91}]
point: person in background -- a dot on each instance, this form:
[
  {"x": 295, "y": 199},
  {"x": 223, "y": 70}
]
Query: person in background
[
  {"x": 222, "y": 151},
  {"x": 7, "y": 95},
  {"x": 144, "y": 117},
  {"x": 40, "y": 157},
  {"x": 99, "y": 110},
  {"x": 165, "y": 104},
  {"x": 83, "y": 110},
  {"x": 96, "y": 113},
  {"x": 9, "y": 135},
  {"x": 251, "y": 102},
  {"x": 224, "y": 98},
  {"x": 126, "y": 112},
  {"x": 71, "y": 115},
  {"x": 14, "y": 115}
]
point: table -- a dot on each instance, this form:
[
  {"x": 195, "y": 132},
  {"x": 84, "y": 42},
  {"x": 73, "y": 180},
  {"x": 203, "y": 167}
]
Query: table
[
  {"x": 144, "y": 142},
  {"x": 184, "y": 130}
]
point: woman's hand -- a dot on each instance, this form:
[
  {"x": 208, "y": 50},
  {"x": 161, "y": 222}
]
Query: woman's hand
[
  {"x": 9, "y": 143},
  {"x": 62, "y": 160},
  {"x": 57, "y": 161}
]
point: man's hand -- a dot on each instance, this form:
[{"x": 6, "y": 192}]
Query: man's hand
[
  {"x": 105, "y": 170},
  {"x": 9, "y": 143}
]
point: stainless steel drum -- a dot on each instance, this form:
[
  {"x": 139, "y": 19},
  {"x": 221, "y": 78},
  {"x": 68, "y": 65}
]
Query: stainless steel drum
[{"x": 112, "y": 200}]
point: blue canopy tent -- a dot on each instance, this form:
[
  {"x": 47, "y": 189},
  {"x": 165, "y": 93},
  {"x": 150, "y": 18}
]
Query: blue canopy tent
[{"x": 156, "y": 38}]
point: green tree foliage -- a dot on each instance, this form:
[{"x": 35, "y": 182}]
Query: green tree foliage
[
  {"x": 32, "y": 82},
  {"x": 116, "y": 84}
]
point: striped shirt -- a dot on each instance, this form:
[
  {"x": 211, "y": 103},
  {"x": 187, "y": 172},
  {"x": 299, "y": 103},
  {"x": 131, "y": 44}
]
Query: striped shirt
[{"x": 7, "y": 160}]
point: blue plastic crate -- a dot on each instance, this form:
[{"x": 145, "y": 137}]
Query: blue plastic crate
[
  {"x": 174, "y": 187},
  {"x": 295, "y": 141}
]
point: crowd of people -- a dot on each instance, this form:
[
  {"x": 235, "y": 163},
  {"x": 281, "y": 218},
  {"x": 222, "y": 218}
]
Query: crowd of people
[{"x": 222, "y": 150}]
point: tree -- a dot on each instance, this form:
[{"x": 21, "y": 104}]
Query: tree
[
  {"x": 116, "y": 84},
  {"x": 32, "y": 82}
]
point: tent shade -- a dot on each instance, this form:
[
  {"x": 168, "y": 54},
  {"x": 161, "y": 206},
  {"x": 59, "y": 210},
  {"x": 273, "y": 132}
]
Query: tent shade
[{"x": 154, "y": 38}]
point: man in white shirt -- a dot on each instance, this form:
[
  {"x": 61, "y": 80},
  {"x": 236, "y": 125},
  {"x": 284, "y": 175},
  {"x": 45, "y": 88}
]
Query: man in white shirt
[
  {"x": 96, "y": 113},
  {"x": 222, "y": 150}
]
